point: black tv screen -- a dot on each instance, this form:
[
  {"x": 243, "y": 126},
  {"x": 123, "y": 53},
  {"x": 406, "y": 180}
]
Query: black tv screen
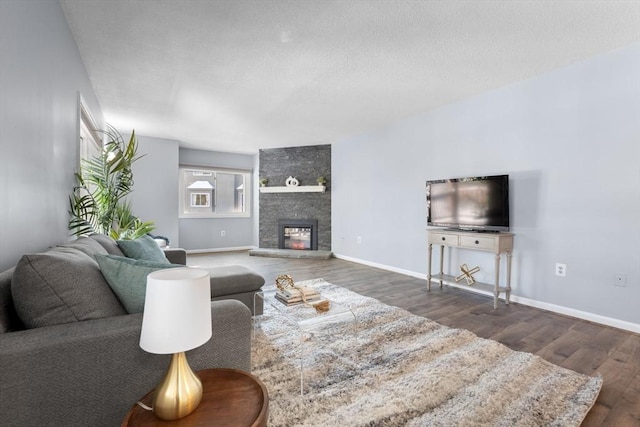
[{"x": 475, "y": 203}]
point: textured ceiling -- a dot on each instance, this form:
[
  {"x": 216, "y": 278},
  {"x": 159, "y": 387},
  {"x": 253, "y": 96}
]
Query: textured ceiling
[{"x": 238, "y": 76}]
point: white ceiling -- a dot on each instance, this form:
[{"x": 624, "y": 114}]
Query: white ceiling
[{"x": 238, "y": 76}]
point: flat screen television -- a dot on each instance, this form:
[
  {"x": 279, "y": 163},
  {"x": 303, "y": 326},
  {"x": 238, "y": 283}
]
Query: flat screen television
[{"x": 478, "y": 203}]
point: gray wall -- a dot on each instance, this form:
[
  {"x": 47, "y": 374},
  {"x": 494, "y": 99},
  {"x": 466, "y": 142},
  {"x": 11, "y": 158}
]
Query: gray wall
[
  {"x": 305, "y": 164},
  {"x": 155, "y": 191},
  {"x": 204, "y": 233},
  {"x": 570, "y": 140},
  {"x": 40, "y": 74}
]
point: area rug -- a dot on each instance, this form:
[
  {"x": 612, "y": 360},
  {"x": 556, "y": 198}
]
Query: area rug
[{"x": 406, "y": 370}]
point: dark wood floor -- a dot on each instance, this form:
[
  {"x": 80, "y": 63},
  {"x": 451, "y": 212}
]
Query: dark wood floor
[{"x": 565, "y": 341}]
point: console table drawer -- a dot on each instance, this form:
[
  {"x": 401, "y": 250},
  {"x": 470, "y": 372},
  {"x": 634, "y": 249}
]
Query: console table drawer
[
  {"x": 477, "y": 242},
  {"x": 443, "y": 239}
]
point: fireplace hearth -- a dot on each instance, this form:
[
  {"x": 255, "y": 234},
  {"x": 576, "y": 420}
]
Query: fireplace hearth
[{"x": 298, "y": 234}]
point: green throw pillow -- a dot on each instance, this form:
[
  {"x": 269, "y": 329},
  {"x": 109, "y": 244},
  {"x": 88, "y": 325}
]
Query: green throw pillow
[
  {"x": 128, "y": 278},
  {"x": 143, "y": 248}
]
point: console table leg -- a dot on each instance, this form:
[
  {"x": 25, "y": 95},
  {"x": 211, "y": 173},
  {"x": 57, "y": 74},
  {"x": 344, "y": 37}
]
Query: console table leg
[
  {"x": 496, "y": 292},
  {"x": 301, "y": 363},
  {"x": 430, "y": 250},
  {"x": 441, "y": 264},
  {"x": 508, "y": 292}
]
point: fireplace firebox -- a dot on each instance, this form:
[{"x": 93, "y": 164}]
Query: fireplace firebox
[{"x": 298, "y": 234}]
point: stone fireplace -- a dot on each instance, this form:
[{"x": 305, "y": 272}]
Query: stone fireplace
[
  {"x": 298, "y": 234},
  {"x": 306, "y": 164}
]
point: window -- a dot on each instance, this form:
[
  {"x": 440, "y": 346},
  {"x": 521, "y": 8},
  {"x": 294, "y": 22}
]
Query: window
[
  {"x": 89, "y": 138},
  {"x": 200, "y": 200},
  {"x": 214, "y": 193}
]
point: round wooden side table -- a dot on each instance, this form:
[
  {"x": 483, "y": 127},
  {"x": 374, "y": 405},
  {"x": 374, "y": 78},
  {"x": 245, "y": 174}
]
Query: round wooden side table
[{"x": 230, "y": 397}]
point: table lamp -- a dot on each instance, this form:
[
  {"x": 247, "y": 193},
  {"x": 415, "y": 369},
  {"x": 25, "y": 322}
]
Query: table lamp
[{"x": 176, "y": 318}]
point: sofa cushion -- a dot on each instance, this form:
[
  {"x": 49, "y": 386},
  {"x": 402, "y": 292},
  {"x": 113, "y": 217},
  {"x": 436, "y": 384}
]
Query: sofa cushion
[
  {"x": 87, "y": 246},
  {"x": 61, "y": 285},
  {"x": 143, "y": 248},
  {"x": 128, "y": 278},
  {"x": 110, "y": 245},
  {"x": 233, "y": 279},
  {"x": 9, "y": 320}
]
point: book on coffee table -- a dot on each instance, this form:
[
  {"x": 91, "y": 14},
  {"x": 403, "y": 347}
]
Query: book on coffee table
[
  {"x": 295, "y": 295},
  {"x": 298, "y": 301}
]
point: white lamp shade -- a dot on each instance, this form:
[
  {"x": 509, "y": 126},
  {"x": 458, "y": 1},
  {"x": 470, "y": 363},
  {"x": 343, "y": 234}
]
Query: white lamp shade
[{"x": 177, "y": 311}]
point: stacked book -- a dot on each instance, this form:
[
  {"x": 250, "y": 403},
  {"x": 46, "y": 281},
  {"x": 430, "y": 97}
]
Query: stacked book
[{"x": 290, "y": 296}]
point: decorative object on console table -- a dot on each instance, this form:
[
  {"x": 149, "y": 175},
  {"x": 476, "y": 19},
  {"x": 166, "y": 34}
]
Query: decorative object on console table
[
  {"x": 264, "y": 182},
  {"x": 177, "y": 318},
  {"x": 467, "y": 274},
  {"x": 321, "y": 180}
]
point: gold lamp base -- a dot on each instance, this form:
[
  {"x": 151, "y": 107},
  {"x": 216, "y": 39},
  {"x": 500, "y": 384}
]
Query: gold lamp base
[{"x": 180, "y": 391}]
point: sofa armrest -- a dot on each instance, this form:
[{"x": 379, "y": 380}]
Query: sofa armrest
[
  {"x": 176, "y": 256},
  {"x": 91, "y": 372}
]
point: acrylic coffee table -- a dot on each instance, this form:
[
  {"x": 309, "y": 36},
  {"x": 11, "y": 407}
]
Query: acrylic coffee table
[{"x": 306, "y": 320}]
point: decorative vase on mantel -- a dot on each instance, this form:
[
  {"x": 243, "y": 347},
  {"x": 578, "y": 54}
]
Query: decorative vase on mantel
[{"x": 291, "y": 182}]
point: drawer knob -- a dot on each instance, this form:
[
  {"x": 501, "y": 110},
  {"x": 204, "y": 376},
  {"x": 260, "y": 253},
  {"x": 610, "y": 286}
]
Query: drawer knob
[
  {"x": 444, "y": 238},
  {"x": 477, "y": 242}
]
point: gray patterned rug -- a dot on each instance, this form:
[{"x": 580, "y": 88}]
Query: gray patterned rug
[{"x": 406, "y": 370}]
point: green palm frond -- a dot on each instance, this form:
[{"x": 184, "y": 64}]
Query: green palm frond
[{"x": 99, "y": 203}]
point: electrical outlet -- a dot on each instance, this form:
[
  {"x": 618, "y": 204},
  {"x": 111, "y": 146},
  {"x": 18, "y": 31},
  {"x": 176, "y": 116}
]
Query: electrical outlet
[
  {"x": 359, "y": 239},
  {"x": 223, "y": 233},
  {"x": 620, "y": 279},
  {"x": 561, "y": 269}
]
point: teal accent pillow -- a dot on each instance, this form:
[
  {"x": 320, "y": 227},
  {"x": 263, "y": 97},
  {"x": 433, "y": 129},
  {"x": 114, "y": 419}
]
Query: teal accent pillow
[
  {"x": 127, "y": 278},
  {"x": 143, "y": 248}
]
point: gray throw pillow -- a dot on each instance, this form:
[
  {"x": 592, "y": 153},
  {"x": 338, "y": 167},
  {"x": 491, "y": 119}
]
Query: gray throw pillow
[
  {"x": 86, "y": 245},
  {"x": 110, "y": 245},
  {"x": 61, "y": 285},
  {"x": 128, "y": 278},
  {"x": 143, "y": 248}
]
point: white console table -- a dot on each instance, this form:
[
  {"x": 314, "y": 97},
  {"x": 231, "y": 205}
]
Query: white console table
[{"x": 496, "y": 243}]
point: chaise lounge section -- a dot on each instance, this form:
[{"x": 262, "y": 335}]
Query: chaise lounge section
[{"x": 227, "y": 282}]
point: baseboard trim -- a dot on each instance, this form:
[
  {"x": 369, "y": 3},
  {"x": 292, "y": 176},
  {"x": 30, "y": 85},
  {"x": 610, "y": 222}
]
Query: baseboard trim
[
  {"x": 567, "y": 311},
  {"x": 233, "y": 249}
]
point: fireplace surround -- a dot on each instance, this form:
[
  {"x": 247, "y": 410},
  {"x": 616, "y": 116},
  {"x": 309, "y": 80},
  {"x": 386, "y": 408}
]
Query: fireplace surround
[{"x": 305, "y": 164}]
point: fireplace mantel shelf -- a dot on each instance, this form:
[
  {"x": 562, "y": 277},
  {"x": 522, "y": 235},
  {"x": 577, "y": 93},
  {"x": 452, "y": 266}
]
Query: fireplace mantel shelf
[{"x": 295, "y": 189}]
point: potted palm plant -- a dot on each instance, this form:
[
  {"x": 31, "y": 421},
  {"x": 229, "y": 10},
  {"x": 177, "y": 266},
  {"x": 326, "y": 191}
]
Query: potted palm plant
[{"x": 98, "y": 203}]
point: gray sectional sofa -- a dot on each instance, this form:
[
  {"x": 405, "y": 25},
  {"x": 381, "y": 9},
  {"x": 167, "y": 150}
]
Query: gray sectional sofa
[{"x": 69, "y": 351}]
